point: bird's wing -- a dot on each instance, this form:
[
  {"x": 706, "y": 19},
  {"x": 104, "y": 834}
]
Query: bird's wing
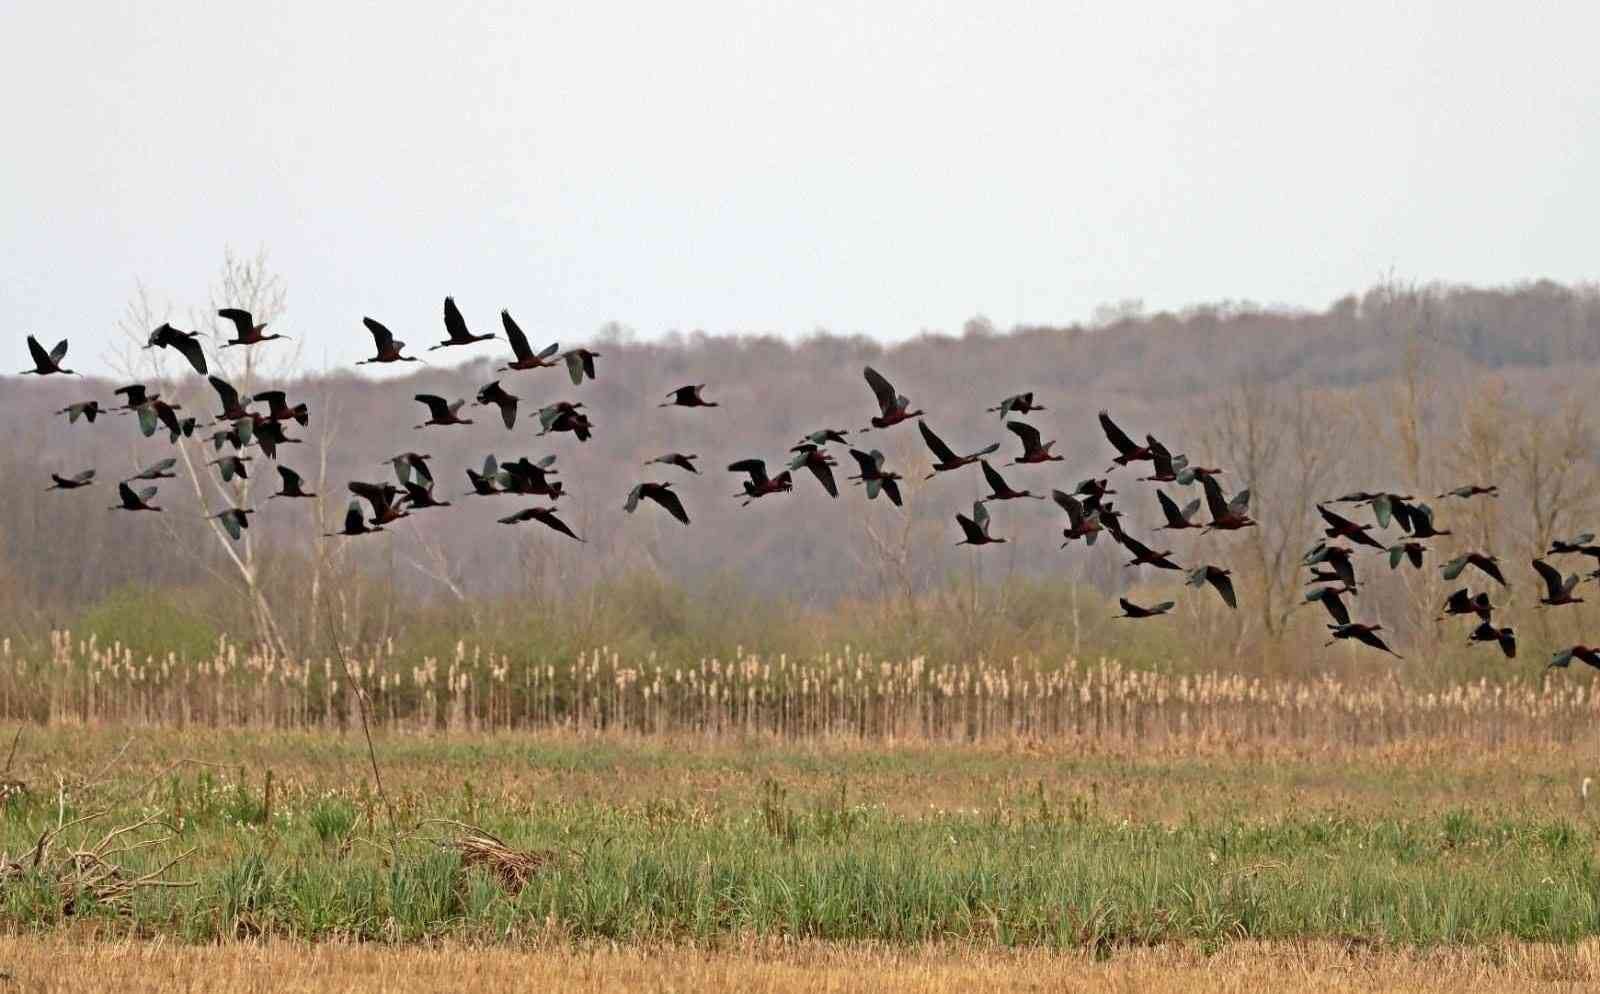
[
  {"x": 1335, "y": 605},
  {"x": 241, "y": 320},
  {"x": 291, "y": 479},
  {"x": 225, "y": 391},
  {"x": 382, "y": 337},
  {"x": 190, "y": 349},
  {"x": 1170, "y": 509},
  {"x": 755, "y": 467},
  {"x": 971, "y": 529},
  {"x": 575, "y": 367},
  {"x": 865, "y": 460},
  {"x": 632, "y": 503},
  {"x": 1338, "y": 521},
  {"x": 991, "y": 476},
  {"x": 352, "y": 517},
  {"x": 1453, "y": 568},
  {"x": 514, "y": 335},
  {"x": 669, "y": 500},
  {"x": 438, "y": 407},
  {"x": 549, "y": 518},
  {"x": 1215, "y": 502},
  {"x": 892, "y": 489},
  {"x": 1028, "y": 433},
  {"x": 1224, "y": 585},
  {"x": 1383, "y": 510},
  {"x": 550, "y": 350},
  {"x": 1116, "y": 436},
  {"x": 824, "y": 474},
  {"x": 1133, "y": 545},
  {"x": 41, "y": 358},
  {"x": 1550, "y": 576},
  {"x": 882, "y": 389},
  {"x": 454, "y": 324},
  {"x": 980, "y": 514},
  {"x": 936, "y": 445},
  {"x": 1240, "y": 502},
  {"x": 1492, "y": 568},
  {"x": 1069, "y": 504}
]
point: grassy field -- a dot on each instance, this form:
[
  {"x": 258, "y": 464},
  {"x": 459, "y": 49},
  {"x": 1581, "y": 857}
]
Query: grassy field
[{"x": 721, "y": 843}]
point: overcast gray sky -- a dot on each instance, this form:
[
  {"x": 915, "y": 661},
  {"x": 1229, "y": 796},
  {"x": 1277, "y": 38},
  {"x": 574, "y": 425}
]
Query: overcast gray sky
[{"x": 777, "y": 167}]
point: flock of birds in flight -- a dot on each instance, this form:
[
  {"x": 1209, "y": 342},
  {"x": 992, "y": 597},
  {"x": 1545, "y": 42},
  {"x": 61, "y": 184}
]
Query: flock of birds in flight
[{"x": 1088, "y": 511}]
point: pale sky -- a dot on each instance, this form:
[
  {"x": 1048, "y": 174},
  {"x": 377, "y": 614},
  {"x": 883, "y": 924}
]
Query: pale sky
[{"x": 879, "y": 167}]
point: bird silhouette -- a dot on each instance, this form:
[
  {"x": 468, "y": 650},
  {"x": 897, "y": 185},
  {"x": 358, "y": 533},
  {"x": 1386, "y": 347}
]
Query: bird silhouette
[
  {"x": 354, "y": 523},
  {"x": 1081, "y": 522},
  {"x": 1132, "y": 610},
  {"x": 976, "y": 528},
  {"x": 1143, "y": 555},
  {"x": 1406, "y": 550},
  {"x": 1127, "y": 452},
  {"x": 1221, "y": 581},
  {"x": 689, "y": 396},
  {"x": 388, "y": 347},
  {"x": 234, "y": 521},
  {"x": 1461, "y": 602},
  {"x": 545, "y": 516},
  {"x": 580, "y": 363},
  {"x": 245, "y": 330},
  {"x": 1487, "y": 564},
  {"x": 455, "y": 328},
  {"x": 1176, "y": 517},
  {"x": 187, "y": 344},
  {"x": 1558, "y": 590},
  {"x": 495, "y": 394},
  {"x": 945, "y": 459},
  {"x": 1340, "y": 526},
  {"x": 131, "y": 501},
  {"x": 526, "y": 358},
  {"x": 662, "y": 494},
  {"x": 419, "y": 496},
  {"x": 819, "y": 463},
  {"x": 85, "y": 409},
  {"x": 1504, "y": 637},
  {"x": 874, "y": 477},
  {"x": 1332, "y": 600},
  {"x": 278, "y": 408},
  {"x": 47, "y": 363},
  {"x": 999, "y": 489},
  {"x": 73, "y": 482},
  {"x": 1017, "y": 403},
  {"x": 1563, "y": 658},
  {"x": 1471, "y": 490},
  {"x": 442, "y": 413},
  {"x": 231, "y": 466},
  {"x": 486, "y": 483},
  {"x": 760, "y": 485},
  {"x": 1167, "y": 466},
  {"x": 290, "y": 484},
  {"x": 1365, "y": 634},
  {"x": 893, "y": 407},
  {"x": 1033, "y": 451},
  {"x": 410, "y": 464},
  {"x": 564, "y": 416},
  {"x": 159, "y": 470},
  {"x": 678, "y": 459},
  {"x": 383, "y": 498},
  {"x": 232, "y": 407},
  {"x": 527, "y": 478},
  {"x": 1227, "y": 514}
]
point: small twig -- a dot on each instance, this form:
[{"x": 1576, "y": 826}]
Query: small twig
[{"x": 13, "y": 753}]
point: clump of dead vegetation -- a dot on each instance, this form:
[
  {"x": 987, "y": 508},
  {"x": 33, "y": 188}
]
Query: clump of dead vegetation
[
  {"x": 98, "y": 873},
  {"x": 513, "y": 867}
]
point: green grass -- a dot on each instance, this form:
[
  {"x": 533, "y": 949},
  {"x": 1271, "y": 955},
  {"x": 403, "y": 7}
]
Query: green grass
[{"x": 657, "y": 844}]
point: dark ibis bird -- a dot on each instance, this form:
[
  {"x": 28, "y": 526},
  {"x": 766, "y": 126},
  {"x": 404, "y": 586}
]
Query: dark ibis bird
[
  {"x": 1081, "y": 522},
  {"x": 47, "y": 363},
  {"x": 495, "y": 394},
  {"x": 1582, "y": 653},
  {"x": 824, "y": 436},
  {"x": 1418, "y": 520},
  {"x": 760, "y": 485},
  {"x": 231, "y": 466},
  {"x": 1393, "y": 506},
  {"x": 1582, "y": 545},
  {"x": 893, "y": 407},
  {"x": 1330, "y": 576},
  {"x": 945, "y": 459},
  {"x": 160, "y": 414},
  {"x": 999, "y": 489},
  {"x": 187, "y": 343},
  {"x": 1143, "y": 555},
  {"x": 820, "y": 464},
  {"x": 241, "y": 433},
  {"x": 1132, "y": 610},
  {"x": 486, "y": 483},
  {"x": 1093, "y": 492},
  {"x": 278, "y": 408},
  {"x": 1504, "y": 637},
  {"x": 1189, "y": 475},
  {"x": 1220, "y": 579},
  {"x": 545, "y": 516},
  {"x": 1017, "y": 403},
  {"x": 88, "y": 410},
  {"x": 678, "y": 459},
  {"x": 1332, "y": 600},
  {"x": 1558, "y": 590},
  {"x": 1472, "y": 490},
  {"x": 1402, "y": 551},
  {"x": 455, "y": 328},
  {"x": 234, "y": 521},
  {"x": 1462, "y": 602},
  {"x": 1486, "y": 564},
  {"x": 131, "y": 501},
  {"x": 408, "y": 464},
  {"x": 689, "y": 396},
  {"x": 1167, "y": 466},
  {"x": 565, "y": 416},
  {"x": 874, "y": 477},
  {"x": 1227, "y": 514},
  {"x": 384, "y": 498},
  {"x": 269, "y": 434},
  {"x": 1365, "y": 634},
  {"x": 73, "y": 482},
  {"x": 245, "y": 329},
  {"x": 290, "y": 484},
  {"x": 662, "y": 494},
  {"x": 580, "y": 363},
  {"x": 232, "y": 408},
  {"x": 159, "y": 470},
  {"x": 1127, "y": 452},
  {"x": 442, "y": 413},
  {"x": 419, "y": 496},
  {"x": 1177, "y": 518},
  {"x": 1033, "y": 451},
  {"x": 354, "y": 523},
  {"x": 134, "y": 396},
  {"x": 1340, "y": 526},
  {"x": 1337, "y": 558},
  {"x": 526, "y": 358},
  {"x": 388, "y": 346},
  {"x": 530, "y": 478},
  {"x": 976, "y": 528}
]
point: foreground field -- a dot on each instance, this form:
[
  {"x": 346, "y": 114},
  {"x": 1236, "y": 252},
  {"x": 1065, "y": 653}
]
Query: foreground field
[
  {"x": 656, "y": 841},
  {"x": 1247, "y": 967}
]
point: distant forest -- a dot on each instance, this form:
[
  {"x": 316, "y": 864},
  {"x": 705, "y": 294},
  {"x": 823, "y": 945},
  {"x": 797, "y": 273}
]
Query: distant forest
[{"x": 1408, "y": 388}]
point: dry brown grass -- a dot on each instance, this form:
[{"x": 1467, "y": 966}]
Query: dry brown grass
[{"x": 66, "y": 964}]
